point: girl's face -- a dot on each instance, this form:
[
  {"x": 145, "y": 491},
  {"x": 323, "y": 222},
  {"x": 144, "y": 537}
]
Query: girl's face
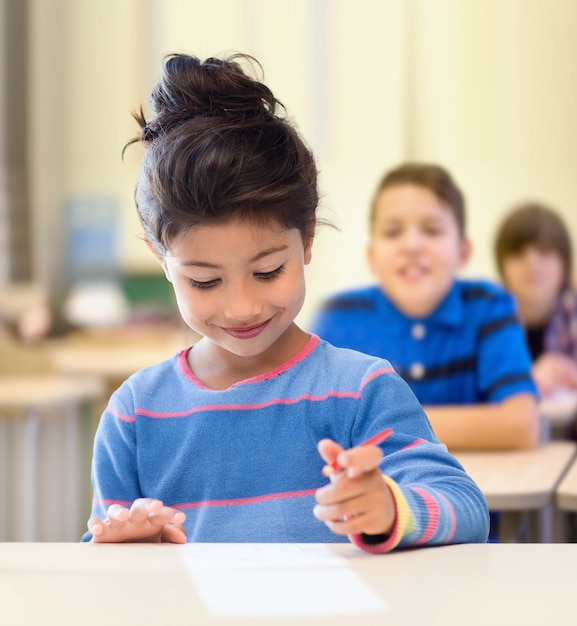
[
  {"x": 240, "y": 285},
  {"x": 534, "y": 276},
  {"x": 416, "y": 248}
]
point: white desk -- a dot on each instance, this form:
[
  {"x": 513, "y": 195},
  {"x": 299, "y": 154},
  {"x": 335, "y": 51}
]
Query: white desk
[
  {"x": 139, "y": 584},
  {"x": 26, "y": 403},
  {"x": 521, "y": 483}
]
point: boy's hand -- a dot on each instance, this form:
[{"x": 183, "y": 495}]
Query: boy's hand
[
  {"x": 357, "y": 500},
  {"x": 147, "y": 520}
]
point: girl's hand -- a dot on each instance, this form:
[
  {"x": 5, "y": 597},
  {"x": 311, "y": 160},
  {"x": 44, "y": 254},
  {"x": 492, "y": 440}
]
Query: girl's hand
[
  {"x": 554, "y": 370},
  {"x": 357, "y": 500},
  {"x": 147, "y": 520}
]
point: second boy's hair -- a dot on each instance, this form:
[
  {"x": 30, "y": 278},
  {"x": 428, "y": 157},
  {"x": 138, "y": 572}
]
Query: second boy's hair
[
  {"x": 534, "y": 224},
  {"x": 430, "y": 176}
]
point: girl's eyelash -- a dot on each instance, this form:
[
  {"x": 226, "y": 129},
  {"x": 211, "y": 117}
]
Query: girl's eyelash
[
  {"x": 270, "y": 275},
  {"x": 202, "y": 285},
  {"x": 212, "y": 283}
]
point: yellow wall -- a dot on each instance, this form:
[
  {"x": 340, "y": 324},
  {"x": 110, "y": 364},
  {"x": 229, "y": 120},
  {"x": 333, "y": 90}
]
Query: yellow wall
[{"x": 488, "y": 88}]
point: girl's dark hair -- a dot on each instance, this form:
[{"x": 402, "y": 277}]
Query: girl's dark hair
[
  {"x": 431, "y": 177},
  {"x": 217, "y": 148},
  {"x": 534, "y": 224}
]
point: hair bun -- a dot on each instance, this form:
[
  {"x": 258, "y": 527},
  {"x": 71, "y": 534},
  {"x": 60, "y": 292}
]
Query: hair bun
[{"x": 190, "y": 88}]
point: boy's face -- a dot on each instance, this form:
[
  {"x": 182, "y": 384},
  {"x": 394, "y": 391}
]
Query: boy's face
[
  {"x": 534, "y": 276},
  {"x": 239, "y": 285},
  {"x": 416, "y": 248}
]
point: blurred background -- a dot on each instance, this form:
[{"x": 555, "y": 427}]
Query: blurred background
[{"x": 487, "y": 88}]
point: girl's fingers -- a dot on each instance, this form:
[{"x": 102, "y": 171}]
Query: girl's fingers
[
  {"x": 362, "y": 460},
  {"x": 117, "y": 515},
  {"x": 173, "y": 534},
  {"x": 143, "y": 508},
  {"x": 356, "y": 461},
  {"x": 166, "y": 515},
  {"x": 146, "y": 520},
  {"x": 95, "y": 526},
  {"x": 329, "y": 450}
]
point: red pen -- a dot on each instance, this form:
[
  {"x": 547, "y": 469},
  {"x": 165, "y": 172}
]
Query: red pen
[{"x": 371, "y": 441}]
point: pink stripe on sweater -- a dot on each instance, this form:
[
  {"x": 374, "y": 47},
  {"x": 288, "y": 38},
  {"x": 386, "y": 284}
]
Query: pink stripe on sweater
[
  {"x": 433, "y": 510},
  {"x": 413, "y": 444},
  {"x": 453, "y": 518},
  {"x": 249, "y": 407},
  {"x": 251, "y": 500},
  {"x": 309, "y": 347},
  {"x": 109, "y": 502},
  {"x": 383, "y": 370},
  {"x": 120, "y": 416}
]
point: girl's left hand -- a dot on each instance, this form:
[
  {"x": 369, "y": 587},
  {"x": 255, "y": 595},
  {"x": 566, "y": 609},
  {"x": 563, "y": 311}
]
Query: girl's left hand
[
  {"x": 146, "y": 520},
  {"x": 357, "y": 500}
]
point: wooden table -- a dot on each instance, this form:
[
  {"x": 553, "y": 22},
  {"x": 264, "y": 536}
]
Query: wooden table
[
  {"x": 310, "y": 584},
  {"x": 116, "y": 354},
  {"x": 26, "y": 404},
  {"x": 521, "y": 484}
]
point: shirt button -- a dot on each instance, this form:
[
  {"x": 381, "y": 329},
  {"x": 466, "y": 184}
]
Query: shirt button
[
  {"x": 418, "y": 331},
  {"x": 417, "y": 371}
]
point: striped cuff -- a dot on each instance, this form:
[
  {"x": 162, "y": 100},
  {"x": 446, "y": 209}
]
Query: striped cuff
[{"x": 404, "y": 524}]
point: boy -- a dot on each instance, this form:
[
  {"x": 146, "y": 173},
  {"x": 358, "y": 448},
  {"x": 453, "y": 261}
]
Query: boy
[
  {"x": 457, "y": 343},
  {"x": 534, "y": 257}
]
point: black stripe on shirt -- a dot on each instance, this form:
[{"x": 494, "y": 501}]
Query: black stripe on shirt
[
  {"x": 496, "y": 325},
  {"x": 440, "y": 371},
  {"x": 349, "y": 304},
  {"x": 508, "y": 380},
  {"x": 477, "y": 293}
]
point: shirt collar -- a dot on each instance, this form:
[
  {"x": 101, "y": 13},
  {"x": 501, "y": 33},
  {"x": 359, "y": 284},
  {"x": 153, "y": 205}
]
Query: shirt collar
[{"x": 449, "y": 313}]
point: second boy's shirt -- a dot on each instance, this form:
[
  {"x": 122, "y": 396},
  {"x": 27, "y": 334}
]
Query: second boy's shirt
[{"x": 470, "y": 350}]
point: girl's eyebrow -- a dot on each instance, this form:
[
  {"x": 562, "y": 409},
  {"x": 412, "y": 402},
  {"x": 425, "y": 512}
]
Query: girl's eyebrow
[{"x": 256, "y": 257}]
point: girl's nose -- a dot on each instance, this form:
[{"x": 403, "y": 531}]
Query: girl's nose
[{"x": 242, "y": 303}]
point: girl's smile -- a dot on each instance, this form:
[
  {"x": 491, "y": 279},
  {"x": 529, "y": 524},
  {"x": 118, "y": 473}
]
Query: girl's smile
[
  {"x": 247, "y": 332},
  {"x": 240, "y": 285}
]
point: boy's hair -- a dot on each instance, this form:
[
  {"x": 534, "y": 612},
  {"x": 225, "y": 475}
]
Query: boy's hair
[
  {"x": 430, "y": 176},
  {"x": 534, "y": 224},
  {"x": 217, "y": 149}
]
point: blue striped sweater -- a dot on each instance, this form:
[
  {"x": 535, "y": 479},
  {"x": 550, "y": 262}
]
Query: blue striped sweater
[{"x": 243, "y": 463}]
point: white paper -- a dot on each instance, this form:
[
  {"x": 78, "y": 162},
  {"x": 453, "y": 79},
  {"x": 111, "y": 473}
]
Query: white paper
[{"x": 277, "y": 579}]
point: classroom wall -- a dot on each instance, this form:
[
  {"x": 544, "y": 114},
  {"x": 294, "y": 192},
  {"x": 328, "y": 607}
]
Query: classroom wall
[{"x": 486, "y": 88}]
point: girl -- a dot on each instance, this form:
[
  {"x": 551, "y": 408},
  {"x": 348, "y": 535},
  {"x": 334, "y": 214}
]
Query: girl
[
  {"x": 230, "y": 440},
  {"x": 534, "y": 258}
]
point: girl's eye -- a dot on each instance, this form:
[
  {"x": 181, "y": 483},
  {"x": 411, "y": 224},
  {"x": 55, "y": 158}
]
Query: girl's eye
[
  {"x": 203, "y": 285},
  {"x": 270, "y": 275}
]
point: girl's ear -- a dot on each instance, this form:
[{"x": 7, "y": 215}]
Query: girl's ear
[
  {"x": 308, "y": 243},
  {"x": 308, "y": 249},
  {"x": 159, "y": 257}
]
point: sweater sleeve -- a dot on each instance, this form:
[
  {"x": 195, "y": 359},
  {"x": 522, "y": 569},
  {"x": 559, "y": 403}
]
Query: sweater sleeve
[
  {"x": 114, "y": 463},
  {"x": 436, "y": 501}
]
